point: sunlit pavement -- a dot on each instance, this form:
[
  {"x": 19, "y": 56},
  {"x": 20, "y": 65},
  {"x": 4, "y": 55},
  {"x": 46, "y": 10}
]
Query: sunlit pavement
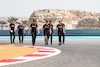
[{"x": 75, "y": 53}]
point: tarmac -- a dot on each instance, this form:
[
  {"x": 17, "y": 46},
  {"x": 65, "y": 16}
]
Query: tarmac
[{"x": 75, "y": 53}]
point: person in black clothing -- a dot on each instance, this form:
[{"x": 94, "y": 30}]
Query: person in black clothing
[
  {"x": 51, "y": 26},
  {"x": 20, "y": 32},
  {"x": 33, "y": 28},
  {"x": 64, "y": 34},
  {"x": 47, "y": 30},
  {"x": 61, "y": 31},
  {"x": 12, "y": 31}
]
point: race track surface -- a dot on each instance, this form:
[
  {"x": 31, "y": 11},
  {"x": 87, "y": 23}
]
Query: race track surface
[{"x": 75, "y": 53}]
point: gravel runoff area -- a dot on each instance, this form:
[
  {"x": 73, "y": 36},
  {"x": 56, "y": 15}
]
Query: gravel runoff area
[{"x": 75, "y": 53}]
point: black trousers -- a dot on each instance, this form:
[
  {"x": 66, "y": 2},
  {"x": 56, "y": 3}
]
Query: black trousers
[
  {"x": 51, "y": 38},
  {"x": 33, "y": 37},
  {"x": 20, "y": 35},
  {"x": 63, "y": 37},
  {"x": 60, "y": 35},
  {"x": 12, "y": 34}
]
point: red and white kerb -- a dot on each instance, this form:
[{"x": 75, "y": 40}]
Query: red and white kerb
[{"x": 44, "y": 52}]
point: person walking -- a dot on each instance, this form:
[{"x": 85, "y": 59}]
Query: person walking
[
  {"x": 12, "y": 32},
  {"x": 51, "y": 26},
  {"x": 46, "y": 30},
  {"x": 33, "y": 27},
  {"x": 21, "y": 30},
  {"x": 61, "y": 32}
]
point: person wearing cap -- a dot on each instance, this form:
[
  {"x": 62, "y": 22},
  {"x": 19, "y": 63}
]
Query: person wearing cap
[
  {"x": 12, "y": 31},
  {"x": 51, "y": 26},
  {"x": 20, "y": 32},
  {"x": 33, "y": 27},
  {"x": 46, "y": 30},
  {"x": 61, "y": 31}
]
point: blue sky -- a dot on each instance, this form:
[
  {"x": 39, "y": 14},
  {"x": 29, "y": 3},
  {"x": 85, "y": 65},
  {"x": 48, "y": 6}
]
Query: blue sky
[{"x": 24, "y": 8}]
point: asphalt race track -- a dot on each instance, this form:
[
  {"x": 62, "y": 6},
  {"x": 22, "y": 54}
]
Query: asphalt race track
[{"x": 75, "y": 53}]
